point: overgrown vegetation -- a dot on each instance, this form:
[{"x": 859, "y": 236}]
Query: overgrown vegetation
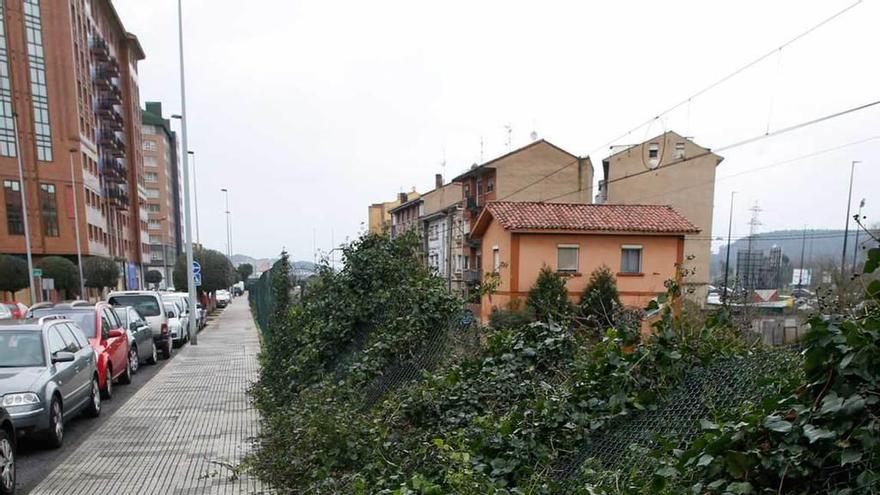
[{"x": 502, "y": 415}]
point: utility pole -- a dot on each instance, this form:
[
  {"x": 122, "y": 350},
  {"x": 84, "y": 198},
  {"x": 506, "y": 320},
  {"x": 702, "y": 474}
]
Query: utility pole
[
  {"x": 803, "y": 248},
  {"x": 195, "y": 195},
  {"x": 79, "y": 257},
  {"x": 24, "y": 210},
  {"x": 846, "y": 228},
  {"x": 729, "y": 241},
  {"x": 190, "y": 275},
  {"x": 858, "y": 230}
]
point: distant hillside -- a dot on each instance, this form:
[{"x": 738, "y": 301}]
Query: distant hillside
[
  {"x": 820, "y": 245},
  {"x": 263, "y": 264}
]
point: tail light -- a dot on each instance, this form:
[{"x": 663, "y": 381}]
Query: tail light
[{"x": 164, "y": 328}]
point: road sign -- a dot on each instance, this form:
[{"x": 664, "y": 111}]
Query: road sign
[
  {"x": 38, "y": 272},
  {"x": 197, "y": 268},
  {"x": 48, "y": 284},
  {"x": 197, "y": 279}
]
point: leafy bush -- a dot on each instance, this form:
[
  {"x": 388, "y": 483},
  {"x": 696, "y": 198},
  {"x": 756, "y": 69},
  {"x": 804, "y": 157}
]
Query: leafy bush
[
  {"x": 600, "y": 300},
  {"x": 100, "y": 272},
  {"x": 13, "y": 273},
  {"x": 510, "y": 318},
  {"x": 548, "y": 299},
  {"x": 154, "y": 277},
  {"x": 63, "y": 272}
]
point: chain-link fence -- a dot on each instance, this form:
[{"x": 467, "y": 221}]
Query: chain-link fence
[
  {"x": 625, "y": 445},
  {"x": 261, "y": 299}
]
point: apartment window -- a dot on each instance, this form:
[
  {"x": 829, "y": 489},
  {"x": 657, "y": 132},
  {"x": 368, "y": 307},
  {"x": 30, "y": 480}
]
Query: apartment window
[
  {"x": 155, "y": 239},
  {"x": 631, "y": 259},
  {"x": 567, "y": 256},
  {"x": 149, "y": 145},
  {"x": 155, "y": 224},
  {"x": 49, "y": 209},
  {"x": 152, "y": 193},
  {"x": 653, "y": 150},
  {"x": 156, "y": 256},
  {"x": 679, "y": 150},
  {"x": 496, "y": 259},
  {"x": 7, "y": 129},
  {"x": 39, "y": 92},
  {"x": 490, "y": 185},
  {"x": 150, "y": 161},
  {"x": 151, "y": 177},
  {"x": 14, "y": 217}
]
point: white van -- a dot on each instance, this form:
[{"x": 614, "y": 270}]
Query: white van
[{"x": 152, "y": 308}]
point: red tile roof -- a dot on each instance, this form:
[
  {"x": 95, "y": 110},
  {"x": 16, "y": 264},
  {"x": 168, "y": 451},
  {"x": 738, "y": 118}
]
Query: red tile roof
[{"x": 590, "y": 218}]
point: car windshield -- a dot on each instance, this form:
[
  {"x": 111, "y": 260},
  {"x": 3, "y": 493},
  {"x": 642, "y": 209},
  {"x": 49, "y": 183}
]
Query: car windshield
[
  {"x": 122, "y": 313},
  {"x": 171, "y": 307},
  {"x": 21, "y": 349},
  {"x": 145, "y": 305},
  {"x": 85, "y": 319}
]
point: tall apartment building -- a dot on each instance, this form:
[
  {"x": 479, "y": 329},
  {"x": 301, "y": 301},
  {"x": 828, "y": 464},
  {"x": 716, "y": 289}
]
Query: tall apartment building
[
  {"x": 162, "y": 178},
  {"x": 539, "y": 171},
  {"x": 68, "y": 69},
  {"x": 672, "y": 170}
]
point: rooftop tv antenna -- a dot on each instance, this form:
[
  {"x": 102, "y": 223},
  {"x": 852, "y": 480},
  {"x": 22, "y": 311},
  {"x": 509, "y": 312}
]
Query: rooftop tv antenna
[{"x": 509, "y": 129}]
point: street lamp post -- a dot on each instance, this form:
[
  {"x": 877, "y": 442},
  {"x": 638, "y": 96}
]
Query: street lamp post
[
  {"x": 852, "y": 171},
  {"x": 729, "y": 240},
  {"x": 79, "y": 257},
  {"x": 190, "y": 276},
  {"x": 24, "y": 211},
  {"x": 228, "y": 226},
  {"x": 858, "y": 229}
]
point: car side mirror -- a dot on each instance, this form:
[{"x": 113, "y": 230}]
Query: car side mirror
[
  {"x": 134, "y": 326},
  {"x": 63, "y": 357},
  {"x": 114, "y": 333}
]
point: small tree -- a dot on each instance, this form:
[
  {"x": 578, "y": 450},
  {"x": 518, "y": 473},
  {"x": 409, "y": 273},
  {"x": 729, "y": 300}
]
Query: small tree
[
  {"x": 245, "y": 270},
  {"x": 548, "y": 299},
  {"x": 217, "y": 271},
  {"x": 100, "y": 272},
  {"x": 600, "y": 299},
  {"x": 154, "y": 277},
  {"x": 13, "y": 274},
  {"x": 63, "y": 272}
]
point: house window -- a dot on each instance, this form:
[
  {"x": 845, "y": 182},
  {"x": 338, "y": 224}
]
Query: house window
[
  {"x": 149, "y": 145},
  {"x": 14, "y": 217},
  {"x": 490, "y": 185},
  {"x": 496, "y": 259},
  {"x": 653, "y": 150},
  {"x": 567, "y": 258},
  {"x": 150, "y": 161},
  {"x": 39, "y": 91},
  {"x": 49, "y": 208},
  {"x": 151, "y": 177},
  {"x": 152, "y": 193},
  {"x": 154, "y": 208},
  {"x": 631, "y": 259},
  {"x": 679, "y": 150},
  {"x": 7, "y": 131},
  {"x": 155, "y": 224}
]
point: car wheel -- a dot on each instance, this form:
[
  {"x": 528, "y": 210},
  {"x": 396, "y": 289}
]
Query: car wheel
[
  {"x": 93, "y": 410},
  {"x": 168, "y": 348},
  {"x": 154, "y": 356},
  {"x": 7, "y": 464},
  {"x": 55, "y": 435},
  {"x": 125, "y": 378},
  {"x": 107, "y": 393},
  {"x": 134, "y": 360}
]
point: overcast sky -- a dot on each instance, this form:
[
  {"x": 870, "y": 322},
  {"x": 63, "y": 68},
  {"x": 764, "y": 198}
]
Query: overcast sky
[{"x": 308, "y": 111}]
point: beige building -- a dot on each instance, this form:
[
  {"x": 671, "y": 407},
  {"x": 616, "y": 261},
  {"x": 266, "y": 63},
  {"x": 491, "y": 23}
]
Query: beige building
[
  {"x": 669, "y": 170},
  {"x": 540, "y": 171},
  {"x": 444, "y": 231},
  {"x": 379, "y": 214}
]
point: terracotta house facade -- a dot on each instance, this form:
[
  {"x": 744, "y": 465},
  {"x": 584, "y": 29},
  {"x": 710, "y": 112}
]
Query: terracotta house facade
[{"x": 642, "y": 245}]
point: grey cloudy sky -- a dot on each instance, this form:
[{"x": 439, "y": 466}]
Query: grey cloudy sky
[{"x": 308, "y": 111}]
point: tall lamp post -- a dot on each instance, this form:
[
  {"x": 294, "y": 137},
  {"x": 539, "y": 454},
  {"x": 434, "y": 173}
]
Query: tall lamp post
[
  {"x": 858, "y": 229},
  {"x": 79, "y": 257},
  {"x": 852, "y": 171},
  {"x": 190, "y": 276},
  {"x": 228, "y": 226},
  {"x": 24, "y": 210}
]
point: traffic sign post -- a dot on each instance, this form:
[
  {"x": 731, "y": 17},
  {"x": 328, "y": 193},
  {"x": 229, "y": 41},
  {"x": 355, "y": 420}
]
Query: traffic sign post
[{"x": 38, "y": 272}]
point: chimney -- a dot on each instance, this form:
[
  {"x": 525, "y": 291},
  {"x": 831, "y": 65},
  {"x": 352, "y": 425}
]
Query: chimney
[
  {"x": 438, "y": 181},
  {"x": 401, "y": 197}
]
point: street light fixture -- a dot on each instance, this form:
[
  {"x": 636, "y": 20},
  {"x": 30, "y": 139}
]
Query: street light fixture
[
  {"x": 228, "y": 226},
  {"x": 852, "y": 171}
]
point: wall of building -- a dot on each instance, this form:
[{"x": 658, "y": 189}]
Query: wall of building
[
  {"x": 688, "y": 187},
  {"x": 527, "y": 253},
  {"x": 544, "y": 173}
]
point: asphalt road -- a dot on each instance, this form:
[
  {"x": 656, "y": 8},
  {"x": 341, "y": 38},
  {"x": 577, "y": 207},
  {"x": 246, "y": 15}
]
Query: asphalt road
[{"x": 35, "y": 460}]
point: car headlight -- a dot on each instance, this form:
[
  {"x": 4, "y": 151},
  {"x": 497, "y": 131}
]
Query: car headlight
[{"x": 25, "y": 399}]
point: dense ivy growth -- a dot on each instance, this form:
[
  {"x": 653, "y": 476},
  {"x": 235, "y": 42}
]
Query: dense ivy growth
[{"x": 502, "y": 417}]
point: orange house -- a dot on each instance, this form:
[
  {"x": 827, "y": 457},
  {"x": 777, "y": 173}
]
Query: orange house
[{"x": 641, "y": 244}]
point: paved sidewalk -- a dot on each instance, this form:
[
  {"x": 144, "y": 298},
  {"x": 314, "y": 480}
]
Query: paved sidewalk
[{"x": 183, "y": 430}]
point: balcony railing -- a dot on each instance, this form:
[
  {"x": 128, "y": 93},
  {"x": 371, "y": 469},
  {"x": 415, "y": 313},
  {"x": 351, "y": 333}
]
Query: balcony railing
[
  {"x": 471, "y": 275},
  {"x": 99, "y": 48},
  {"x": 113, "y": 167},
  {"x": 117, "y": 195}
]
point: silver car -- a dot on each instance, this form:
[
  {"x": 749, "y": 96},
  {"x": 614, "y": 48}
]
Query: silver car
[
  {"x": 141, "y": 346},
  {"x": 48, "y": 375}
]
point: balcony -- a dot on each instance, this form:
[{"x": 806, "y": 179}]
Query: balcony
[
  {"x": 117, "y": 195},
  {"x": 113, "y": 167},
  {"x": 470, "y": 276},
  {"x": 99, "y": 49},
  {"x": 111, "y": 143}
]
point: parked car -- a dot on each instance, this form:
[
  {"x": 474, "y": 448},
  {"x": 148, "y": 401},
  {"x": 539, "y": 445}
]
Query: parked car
[
  {"x": 48, "y": 375},
  {"x": 151, "y": 307},
  {"x": 183, "y": 299},
  {"x": 5, "y": 312},
  {"x": 203, "y": 315},
  {"x": 19, "y": 310},
  {"x": 7, "y": 454},
  {"x": 182, "y": 303},
  {"x": 141, "y": 346},
  {"x": 106, "y": 336},
  {"x": 223, "y": 298},
  {"x": 175, "y": 324}
]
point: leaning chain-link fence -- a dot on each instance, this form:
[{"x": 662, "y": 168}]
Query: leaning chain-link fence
[
  {"x": 262, "y": 299},
  {"x": 624, "y": 445}
]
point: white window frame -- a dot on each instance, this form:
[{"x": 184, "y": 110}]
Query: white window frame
[
  {"x": 577, "y": 260},
  {"x": 633, "y": 247},
  {"x": 496, "y": 259}
]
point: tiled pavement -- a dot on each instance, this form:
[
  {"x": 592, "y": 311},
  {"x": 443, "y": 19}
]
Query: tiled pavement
[{"x": 184, "y": 430}]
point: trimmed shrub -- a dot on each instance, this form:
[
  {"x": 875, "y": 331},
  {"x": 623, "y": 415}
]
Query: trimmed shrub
[
  {"x": 600, "y": 301},
  {"x": 548, "y": 299}
]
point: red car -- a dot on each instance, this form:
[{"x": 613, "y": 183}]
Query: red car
[
  {"x": 17, "y": 309},
  {"x": 106, "y": 335}
]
